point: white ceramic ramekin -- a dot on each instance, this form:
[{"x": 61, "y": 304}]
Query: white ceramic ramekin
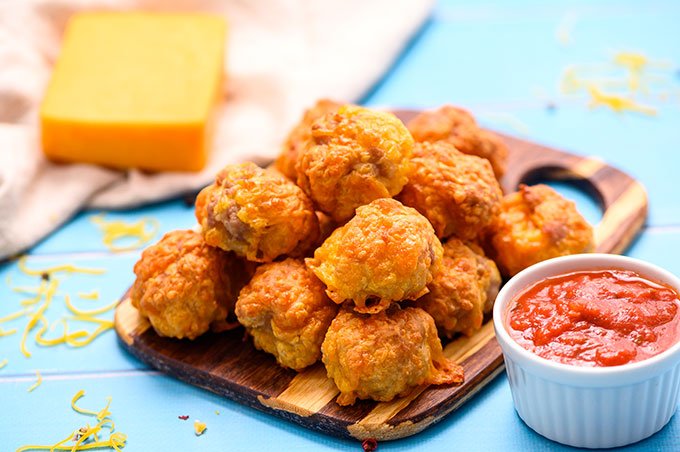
[{"x": 595, "y": 407}]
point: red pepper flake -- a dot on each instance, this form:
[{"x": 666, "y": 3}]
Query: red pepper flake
[
  {"x": 370, "y": 445},
  {"x": 184, "y": 417}
]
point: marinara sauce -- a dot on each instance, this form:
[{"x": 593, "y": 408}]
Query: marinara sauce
[{"x": 596, "y": 318}]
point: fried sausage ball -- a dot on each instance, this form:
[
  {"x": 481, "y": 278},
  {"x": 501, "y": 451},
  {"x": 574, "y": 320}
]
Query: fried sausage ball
[
  {"x": 356, "y": 155},
  {"x": 300, "y": 135},
  {"x": 256, "y": 213},
  {"x": 287, "y": 312},
  {"x": 184, "y": 286},
  {"x": 462, "y": 291},
  {"x": 386, "y": 253},
  {"x": 458, "y": 127},
  {"x": 537, "y": 223},
  {"x": 385, "y": 355},
  {"x": 456, "y": 192}
]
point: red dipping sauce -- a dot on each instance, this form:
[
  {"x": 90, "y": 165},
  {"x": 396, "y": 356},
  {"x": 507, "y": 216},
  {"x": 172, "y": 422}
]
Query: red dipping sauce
[{"x": 596, "y": 318}]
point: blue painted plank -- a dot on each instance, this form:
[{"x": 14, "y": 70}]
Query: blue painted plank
[
  {"x": 509, "y": 54},
  {"x": 146, "y": 408}
]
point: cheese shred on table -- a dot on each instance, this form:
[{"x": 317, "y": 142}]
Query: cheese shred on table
[
  {"x": 94, "y": 295},
  {"x": 618, "y": 83},
  {"x": 37, "y": 383},
  {"x": 199, "y": 427},
  {"x": 87, "y": 438},
  {"x": 44, "y": 295},
  {"x": 66, "y": 268},
  {"x": 142, "y": 231}
]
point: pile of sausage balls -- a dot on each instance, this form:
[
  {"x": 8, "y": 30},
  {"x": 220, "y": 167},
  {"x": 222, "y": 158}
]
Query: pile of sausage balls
[{"x": 362, "y": 245}]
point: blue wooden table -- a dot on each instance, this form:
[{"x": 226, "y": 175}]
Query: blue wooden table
[{"x": 504, "y": 62}]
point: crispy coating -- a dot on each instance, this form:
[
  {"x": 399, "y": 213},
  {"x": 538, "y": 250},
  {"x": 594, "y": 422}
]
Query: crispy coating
[
  {"x": 456, "y": 192},
  {"x": 385, "y": 355},
  {"x": 286, "y": 311},
  {"x": 387, "y": 252},
  {"x": 537, "y": 223},
  {"x": 462, "y": 291},
  {"x": 458, "y": 127},
  {"x": 184, "y": 286},
  {"x": 300, "y": 135},
  {"x": 256, "y": 213},
  {"x": 356, "y": 155}
]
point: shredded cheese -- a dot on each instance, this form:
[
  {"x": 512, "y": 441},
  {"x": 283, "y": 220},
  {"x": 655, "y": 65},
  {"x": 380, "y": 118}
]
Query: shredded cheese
[
  {"x": 76, "y": 408},
  {"x": 44, "y": 296},
  {"x": 617, "y": 83},
  {"x": 66, "y": 268},
  {"x": 33, "y": 320},
  {"x": 72, "y": 340},
  {"x": 40, "y": 340},
  {"x": 94, "y": 295},
  {"x": 617, "y": 103},
  {"x": 36, "y": 291},
  {"x": 37, "y": 383},
  {"x": 37, "y": 316},
  {"x": 80, "y": 312},
  {"x": 632, "y": 61},
  {"x": 86, "y": 438},
  {"x": 113, "y": 231},
  {"x": 15, "y": 315},
  {"x": 199, "y": 427}
]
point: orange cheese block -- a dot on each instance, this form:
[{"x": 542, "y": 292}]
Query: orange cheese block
[{"x": 135, "y": 90}]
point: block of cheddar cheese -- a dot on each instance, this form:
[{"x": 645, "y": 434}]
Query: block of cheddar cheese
[{"x": 135, "y": 90}]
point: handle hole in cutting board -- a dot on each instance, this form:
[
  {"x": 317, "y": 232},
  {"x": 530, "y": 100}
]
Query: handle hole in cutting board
[{"x": 588, "y": 199}]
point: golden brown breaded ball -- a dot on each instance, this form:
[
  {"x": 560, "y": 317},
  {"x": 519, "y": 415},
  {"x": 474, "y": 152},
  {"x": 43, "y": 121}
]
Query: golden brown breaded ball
[
  {"x": 462, "y": 291},
  {"x": 387, "y": 252},
  {"x": 300, "y": 135},
  {"x": 256, "y": 213},
  {"x": 458, "y": 127},
  {"x": 286, "y": 311},
  {"x": 537, "y": 223},
  {"x": 356, "y": 155},
  {"x": 385, "y": 355},
  {"x": 456, "y": 192},
  {"x": 184, "y": 286}
]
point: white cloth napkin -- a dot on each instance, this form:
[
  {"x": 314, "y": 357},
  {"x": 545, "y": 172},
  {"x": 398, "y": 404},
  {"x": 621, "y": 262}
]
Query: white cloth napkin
[{"x": 282, "y": 55}]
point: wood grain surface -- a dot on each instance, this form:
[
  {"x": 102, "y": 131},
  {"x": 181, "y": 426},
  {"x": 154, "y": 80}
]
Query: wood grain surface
[{"x": 227, "y": 365}]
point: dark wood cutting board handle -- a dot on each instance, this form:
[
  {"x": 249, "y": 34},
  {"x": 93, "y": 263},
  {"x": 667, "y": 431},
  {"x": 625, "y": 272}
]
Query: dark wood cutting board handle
[{"x": 623, "y": 199}]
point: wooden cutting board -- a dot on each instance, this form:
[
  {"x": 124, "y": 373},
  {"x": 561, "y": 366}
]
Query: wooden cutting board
[{"x": 229, "y": 366}]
